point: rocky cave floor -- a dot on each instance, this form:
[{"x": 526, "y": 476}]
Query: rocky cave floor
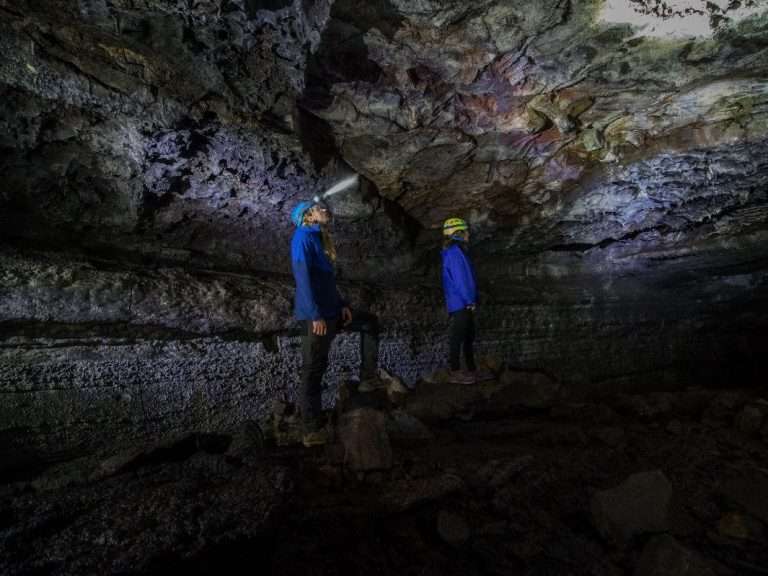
[{"x": 503, "y": 477}]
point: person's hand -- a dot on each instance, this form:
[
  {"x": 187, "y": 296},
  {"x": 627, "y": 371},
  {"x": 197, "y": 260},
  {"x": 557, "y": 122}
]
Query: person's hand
[
  {"x": 319, "y": 327},
  {"x": 346, "y": 315}
]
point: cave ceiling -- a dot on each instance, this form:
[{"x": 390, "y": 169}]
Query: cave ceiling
[{"x": 188, "y": 129}]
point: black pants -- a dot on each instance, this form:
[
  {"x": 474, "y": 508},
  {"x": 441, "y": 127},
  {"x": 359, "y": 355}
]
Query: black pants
[
  {"x": 462, "y": 334},
  {"x": 315, "y": 350}
]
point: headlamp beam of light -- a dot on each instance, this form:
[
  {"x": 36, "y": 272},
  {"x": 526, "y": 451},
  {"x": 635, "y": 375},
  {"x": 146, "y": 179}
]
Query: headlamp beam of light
[{"x": 336, "y": 188}]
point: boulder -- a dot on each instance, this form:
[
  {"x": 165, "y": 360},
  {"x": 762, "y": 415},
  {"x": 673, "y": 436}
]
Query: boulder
[
  {"x": 248, "y": 438},
  {"x": 741, "y": 527},
  {"x": 612, "y": 436},
  {"x": 406, "y": 493},
  {"x": 675, "y": 427},
  {"x": 363, "y": 434},
  {"x": 397, "y": 392},
  {"x": 529, "y": 389},
  {"x": 404, "y": 427},
  {"x": 664, "y": 556},
  {"x": 639, "y": 505},
  {"x": 435, "y": 401}
]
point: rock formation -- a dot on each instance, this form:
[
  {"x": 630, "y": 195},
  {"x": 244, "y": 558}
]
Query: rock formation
[{"x": 610, "y": 156}]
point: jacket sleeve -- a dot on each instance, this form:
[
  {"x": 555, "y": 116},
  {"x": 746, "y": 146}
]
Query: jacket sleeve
[
  {"x": 462, "y": 277},
  {"x": 300, "y": 256}
]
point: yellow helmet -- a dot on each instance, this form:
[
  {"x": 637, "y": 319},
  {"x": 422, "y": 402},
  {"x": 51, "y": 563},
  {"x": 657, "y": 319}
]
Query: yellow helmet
[{"x": 453, "y": 225}]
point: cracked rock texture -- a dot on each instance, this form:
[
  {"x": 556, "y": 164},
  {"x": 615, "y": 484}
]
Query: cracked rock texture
[{"x": 610, "y": 157}]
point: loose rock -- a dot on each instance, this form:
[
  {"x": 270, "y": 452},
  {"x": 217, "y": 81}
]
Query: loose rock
[{"x": 639, "y": 505}]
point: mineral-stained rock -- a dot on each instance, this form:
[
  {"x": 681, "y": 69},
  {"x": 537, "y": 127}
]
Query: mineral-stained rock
[{"x": 639, "y": 505}]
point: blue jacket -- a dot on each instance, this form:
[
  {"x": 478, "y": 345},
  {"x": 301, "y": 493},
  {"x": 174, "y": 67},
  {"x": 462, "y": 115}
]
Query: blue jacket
[
  {"x": 458, "y": 279},
  {"x": 316, "y": 293}
]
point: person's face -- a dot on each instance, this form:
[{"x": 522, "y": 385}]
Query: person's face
[{"x": 319, "y": 215}]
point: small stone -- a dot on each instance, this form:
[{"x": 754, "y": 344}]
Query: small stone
[
  {"x": 611, "y": 435},
  {"x": 750, "y": 420},
  {"x": 675, "y": 427},
  {"x": 397, "y": 392},
  {"x": 375, "y": 478},
  {"x": 329, "y": 476},
  {"x": 452, "y": 528},
  {"x": 504, "y": 473},
  {"x": 724, "y": 405},
  {"x": 494, "y": 529}
]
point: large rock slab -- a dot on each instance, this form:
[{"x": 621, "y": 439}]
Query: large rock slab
[
  {"x": 441, "y": 400},
  {"x": 639, "y": 505}
]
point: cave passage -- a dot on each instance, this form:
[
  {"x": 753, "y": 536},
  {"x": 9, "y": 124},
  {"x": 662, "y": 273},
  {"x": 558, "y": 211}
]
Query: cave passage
[{"x": 579, "y": 188}]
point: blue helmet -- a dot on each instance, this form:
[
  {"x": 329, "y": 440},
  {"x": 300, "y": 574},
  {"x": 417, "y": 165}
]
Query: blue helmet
[{"x": 297, "y": 214}]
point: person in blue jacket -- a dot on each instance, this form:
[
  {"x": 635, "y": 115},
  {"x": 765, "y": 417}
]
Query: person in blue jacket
[
  {"x": 460, "y": 289},
  {"x": 323, "y": 312}
]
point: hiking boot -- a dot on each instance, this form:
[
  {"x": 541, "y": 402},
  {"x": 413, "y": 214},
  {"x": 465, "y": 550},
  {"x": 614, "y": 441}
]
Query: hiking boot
[
  {"x": 461, "y": 377},
  {"x": 315, "y": 438}
]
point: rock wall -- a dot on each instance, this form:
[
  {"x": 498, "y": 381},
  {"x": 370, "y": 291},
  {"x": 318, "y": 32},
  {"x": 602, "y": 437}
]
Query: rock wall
[
  {"x": 94, "y": 355},
  {"x": 614, "y": 178}
]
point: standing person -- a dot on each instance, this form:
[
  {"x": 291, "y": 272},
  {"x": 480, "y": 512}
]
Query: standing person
[
  {"x": 460, "y": 289},
  {"x": 323, "y": 313}
]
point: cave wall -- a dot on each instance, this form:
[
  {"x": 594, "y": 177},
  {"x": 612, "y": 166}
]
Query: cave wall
[
  {"x": 95, "y": 355},
  {"x": 151, "y": 151}
]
